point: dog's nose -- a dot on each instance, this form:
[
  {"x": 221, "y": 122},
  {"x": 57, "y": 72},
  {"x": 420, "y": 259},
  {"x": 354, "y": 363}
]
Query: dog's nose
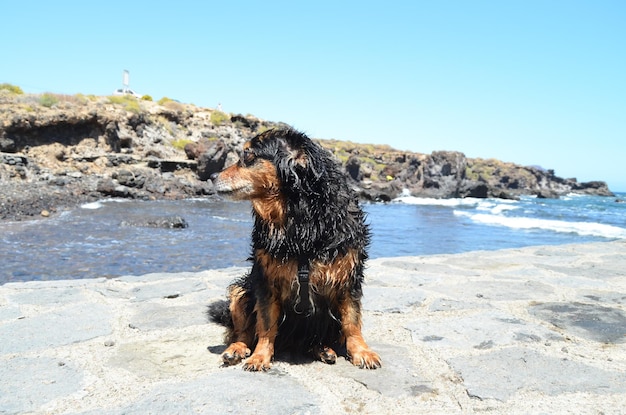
[{"x": 214, "y": 176}]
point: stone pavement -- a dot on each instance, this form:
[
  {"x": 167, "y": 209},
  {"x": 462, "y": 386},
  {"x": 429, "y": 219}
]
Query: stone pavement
[{"x": 522, "y": 331}]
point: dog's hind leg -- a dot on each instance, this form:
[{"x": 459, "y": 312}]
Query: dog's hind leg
[
  {"x": 268, "y": 313},
  {"x": 241, "y": 335},
  {"x": 358, "y": 351}
]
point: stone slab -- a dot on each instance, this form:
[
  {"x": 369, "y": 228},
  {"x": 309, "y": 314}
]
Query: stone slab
[
  {"x": 590, "y": 321},
  {"x": 72, "y": 324},
  {"x": 48, "y": 296},
  {"x": 392, "y": 299},
  {"x": 502, "y": 373},
  {"x": 28, "y": 383},
  {"x": 229, "y": 391},
  {"x": 480, "y": 330},
  {"x": 159, "y": 316},
  {"x": 398, "y": 377}
]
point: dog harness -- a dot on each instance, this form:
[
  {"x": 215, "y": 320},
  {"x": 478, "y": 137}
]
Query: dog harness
[{"x": 303, "y": 302}]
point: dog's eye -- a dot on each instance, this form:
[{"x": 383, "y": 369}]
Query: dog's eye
[{"x": 248, "y": 157}]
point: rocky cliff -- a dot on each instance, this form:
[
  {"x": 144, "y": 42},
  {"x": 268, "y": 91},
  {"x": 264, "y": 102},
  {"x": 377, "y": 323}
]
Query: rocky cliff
[{"x": 58, "y": 150}]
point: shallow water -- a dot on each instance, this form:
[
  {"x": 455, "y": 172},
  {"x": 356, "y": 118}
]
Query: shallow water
[{"x": 91, "y": 242}]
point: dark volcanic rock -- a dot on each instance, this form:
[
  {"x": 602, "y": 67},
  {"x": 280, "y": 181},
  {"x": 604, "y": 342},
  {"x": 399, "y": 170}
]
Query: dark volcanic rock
[
  {"x": 169, "y": 166},
  {"x": 547, "y": 194},
  {"x": 353, "y": 167},
  {"x": 21, "y": 199},
  {"x": 109, "y": 187},
  {"x": 195, "y": 149},
  {"x": 129, "y": 178},
  {"x": 7, "y": 145},
  {"x": 170, "y": 222},
  {"x": 446, "y": 174},
  {"x": 212, "y": 160},
  {"x": 88, "y": 148},
  {"x": 474, "y": 189}
]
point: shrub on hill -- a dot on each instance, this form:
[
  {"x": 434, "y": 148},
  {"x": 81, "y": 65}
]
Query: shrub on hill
[
  {"x": 48, "y": 100},
  {"x": 14, "y": 89},
  {"x": 218, "y": 117},
  {"x": 163, "y": 100},
  {"x": 129, "y": 102}
]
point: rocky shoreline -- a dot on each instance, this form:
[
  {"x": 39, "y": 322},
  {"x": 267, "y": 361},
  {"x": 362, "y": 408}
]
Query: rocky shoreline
[{"x": 58, "y": 151}]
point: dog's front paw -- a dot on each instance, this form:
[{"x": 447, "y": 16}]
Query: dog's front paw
[
  {"x": 366, "y": 359},
  {"x": 258, "y": 362},
  {"x": 235, "y": 353}
]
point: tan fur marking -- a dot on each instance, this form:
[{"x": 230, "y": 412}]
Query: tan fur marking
[
  {"x": 240, "y": 331},
  {"x": 266, "y": 329},
  {"x": 280, "y": 276},
  {"x": 258, "y": 183},
  {"x": 358, "y": 351},
  {"x": 335, "y": 274}
]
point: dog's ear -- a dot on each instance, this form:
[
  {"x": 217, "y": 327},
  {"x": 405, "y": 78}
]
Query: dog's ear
[
  {"x": 300, "y": 168},
  {"x": 298, "y": 157},
  {"x": 292, "y": 166}
]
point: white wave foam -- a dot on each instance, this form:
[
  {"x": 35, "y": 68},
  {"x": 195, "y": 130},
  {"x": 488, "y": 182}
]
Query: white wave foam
[
  {"x": 225, "y": 219},
  {"x": 92, "y": 205},
  {"x": 501, "y": 208},
  {"x": 429, "y": 201},
  {"x": 100, "y": 203},
  {"x": 572, "y": 196},
  {"x": 580, "y": 228},
  {"x": 494, "y": 206}
]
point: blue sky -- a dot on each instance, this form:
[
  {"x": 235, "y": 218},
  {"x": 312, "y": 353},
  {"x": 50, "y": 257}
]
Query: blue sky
[{"x": 531, "y": 82}]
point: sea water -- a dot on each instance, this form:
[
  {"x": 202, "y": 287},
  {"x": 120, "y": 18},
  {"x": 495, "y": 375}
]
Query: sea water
[{"x": 92, "y": 241}]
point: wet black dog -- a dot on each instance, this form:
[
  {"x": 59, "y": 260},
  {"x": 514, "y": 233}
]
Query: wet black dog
[{"x": 309, "y": 247}]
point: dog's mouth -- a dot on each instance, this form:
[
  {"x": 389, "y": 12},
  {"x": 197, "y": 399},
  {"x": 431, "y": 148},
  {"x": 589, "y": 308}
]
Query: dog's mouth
[
  {"x": 222, "y": 187},
  {"x": 234, "y": 190}
]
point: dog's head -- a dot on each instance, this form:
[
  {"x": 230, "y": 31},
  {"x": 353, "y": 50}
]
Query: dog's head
[{"x": 275, "y": 166}]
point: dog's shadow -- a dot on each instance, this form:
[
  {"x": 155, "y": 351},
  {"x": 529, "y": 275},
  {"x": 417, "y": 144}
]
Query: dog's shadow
[
  {"x": 219, "y": 349},
  {"x": 290, "y": 357}
]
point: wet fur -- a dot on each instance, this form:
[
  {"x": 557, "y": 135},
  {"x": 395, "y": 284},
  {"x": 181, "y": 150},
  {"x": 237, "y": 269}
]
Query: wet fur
[{"x": 304, "y": 212}]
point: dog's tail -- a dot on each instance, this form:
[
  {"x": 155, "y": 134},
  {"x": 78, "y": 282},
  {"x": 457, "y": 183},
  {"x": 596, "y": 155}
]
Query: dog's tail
[{"x": 219, "y": 312}]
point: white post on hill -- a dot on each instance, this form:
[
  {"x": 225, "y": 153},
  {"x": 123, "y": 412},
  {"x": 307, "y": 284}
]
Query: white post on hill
[{"x": 125, "y": 79}]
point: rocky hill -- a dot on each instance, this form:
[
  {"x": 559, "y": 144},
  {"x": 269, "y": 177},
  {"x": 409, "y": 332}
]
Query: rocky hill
[{"x": 58, "y": 150}]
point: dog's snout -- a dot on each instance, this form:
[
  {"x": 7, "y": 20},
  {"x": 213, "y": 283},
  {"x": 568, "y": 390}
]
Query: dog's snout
[{"x": 214, "y": 176}]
